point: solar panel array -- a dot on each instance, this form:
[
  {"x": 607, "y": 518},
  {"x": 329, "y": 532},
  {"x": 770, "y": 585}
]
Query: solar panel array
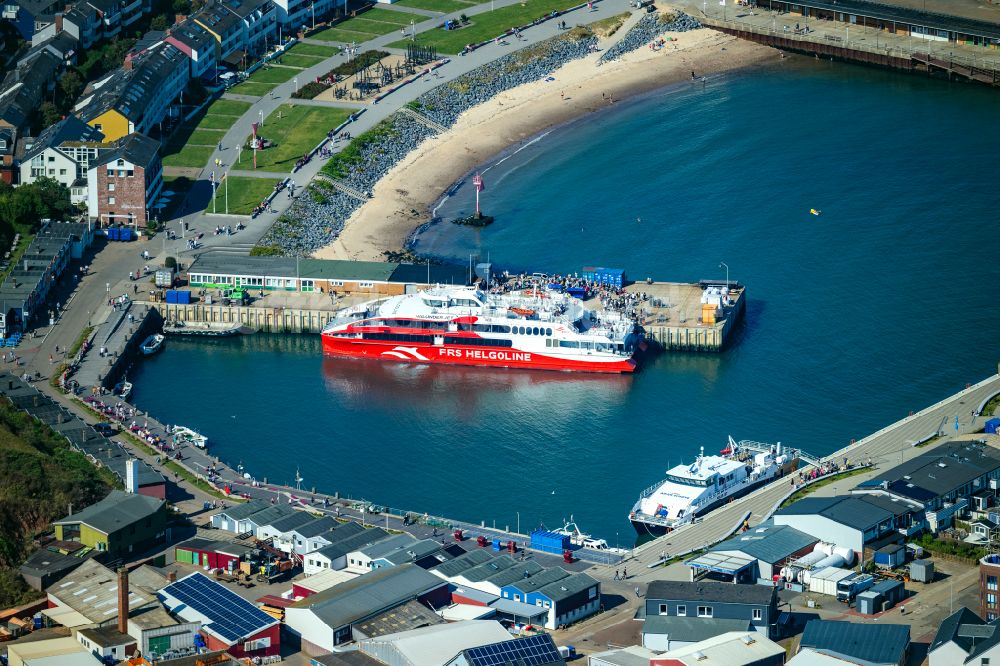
[
  {"x": 230, "y": 615},
  {"x": 529, "y": 651}
]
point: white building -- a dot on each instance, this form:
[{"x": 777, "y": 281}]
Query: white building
[{"x": 63, "y": 152}]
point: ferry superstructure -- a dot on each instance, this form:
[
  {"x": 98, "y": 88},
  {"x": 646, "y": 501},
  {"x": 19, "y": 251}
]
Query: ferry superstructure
[
  {"x": 533, "y": 328},
  {"x": 694, "y": 489}
]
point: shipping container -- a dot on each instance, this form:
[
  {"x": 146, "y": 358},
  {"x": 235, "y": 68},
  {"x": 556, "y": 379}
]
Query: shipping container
[
  {"x": 825, "y": 581},
  {"x": 891, "y": 556},
  {"x": 549, "y": 542},
  {"x": 869, "y": 603},
  {"x": 922, "y": 571},
  {"x": 184, "y": 297}
]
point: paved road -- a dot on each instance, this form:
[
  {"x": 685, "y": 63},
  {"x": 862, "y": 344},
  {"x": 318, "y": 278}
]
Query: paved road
[
  {"x": 886, "y": 448},
  {"x": 200, "y": 194}
]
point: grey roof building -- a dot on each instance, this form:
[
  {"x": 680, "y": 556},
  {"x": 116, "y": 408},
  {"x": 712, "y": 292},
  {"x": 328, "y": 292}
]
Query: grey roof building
[
  {"x": 326, "y": 619},
  {"x": 949, "y": 472},
  {"x": 666, "y": 632},
  {"x": 24, "y": 89},
  {"x": 756, "y": 553},
  {"x": 44, "y": 567},
  {"x": 461, "y": 564},
  {"x": 335, "y": 555},
  {"x": 711, "y": 600},
  {"x": 863, "y": 644},
  {"x": 116, "y": 511},
  {"x": 846, "y": 520},
  {"x": 965, "y": 638}
]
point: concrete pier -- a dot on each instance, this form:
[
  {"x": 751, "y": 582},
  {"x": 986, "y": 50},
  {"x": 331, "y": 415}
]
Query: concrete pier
[
  {"x": 265, "y": 319},
  {"x": 120, "y": 335}
]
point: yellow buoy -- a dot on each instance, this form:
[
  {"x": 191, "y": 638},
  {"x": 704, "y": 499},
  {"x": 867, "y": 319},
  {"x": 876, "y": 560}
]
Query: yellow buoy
[{"x": 815, "y": 212}]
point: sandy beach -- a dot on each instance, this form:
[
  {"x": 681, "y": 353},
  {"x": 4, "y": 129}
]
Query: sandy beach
[{"x": 402, "y": 198}]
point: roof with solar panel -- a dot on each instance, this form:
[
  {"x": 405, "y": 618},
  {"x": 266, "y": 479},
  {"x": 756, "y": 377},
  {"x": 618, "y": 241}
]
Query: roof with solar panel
[
  {"x": 527, "y": 651},
  {"x": 223, "y": 613}
]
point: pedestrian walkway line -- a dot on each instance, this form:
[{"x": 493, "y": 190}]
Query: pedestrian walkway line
[{"x": 423, "y": 120}]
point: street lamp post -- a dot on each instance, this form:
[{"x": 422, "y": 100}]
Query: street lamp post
[
  {"x": 296, "y": 84},
  {"x": 518, "y": 521},
  {"x": 262, "y": 117},
  {"x": 312, "y": 6},
  {"x": 721, "y": 264}
]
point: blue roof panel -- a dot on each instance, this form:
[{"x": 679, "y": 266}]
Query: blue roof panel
[{"x": 230, "y": 615}]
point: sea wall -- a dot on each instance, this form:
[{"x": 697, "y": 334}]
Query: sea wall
[{"x": 318, "y": 216}]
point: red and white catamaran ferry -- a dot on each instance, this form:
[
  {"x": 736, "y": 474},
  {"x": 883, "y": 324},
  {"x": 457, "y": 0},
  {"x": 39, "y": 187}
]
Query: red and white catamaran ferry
[{"x": 535, "y": 328}]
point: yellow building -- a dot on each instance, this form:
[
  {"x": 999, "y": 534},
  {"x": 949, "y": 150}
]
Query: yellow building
[
  {"x": 112, "y": 124},
  {"x": 120, "y": 524}
]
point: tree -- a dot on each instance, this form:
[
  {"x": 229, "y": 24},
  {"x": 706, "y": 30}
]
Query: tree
[
  {"x": 71, "y": 83},
  {"x": 158, "y": 23},
  {"x": 115, "y": 52},
  {"x": 54, "y": 199},
  {"x": 49, "y": 113},
  {"x": 182, "y": 6}
]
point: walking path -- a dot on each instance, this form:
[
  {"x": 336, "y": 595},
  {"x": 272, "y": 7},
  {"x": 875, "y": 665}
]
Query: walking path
[
  {"x": 888, "y": 447},
  {"x": 199, "y": 197}
]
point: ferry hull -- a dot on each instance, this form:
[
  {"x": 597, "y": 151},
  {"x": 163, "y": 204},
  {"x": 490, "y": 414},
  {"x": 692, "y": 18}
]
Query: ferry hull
[
  {"x": 425, "y": 353},
  {"x": 644, "y": 528}
]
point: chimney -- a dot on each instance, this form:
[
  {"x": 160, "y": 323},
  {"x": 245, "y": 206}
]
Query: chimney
[
  {"x": 171, "y": 576},
  {"x": 123, "y": 600},
  {"x": 132, "y": 475},
  {"x": 59, "y": 22},
  {"x": 127, "y": 65}
]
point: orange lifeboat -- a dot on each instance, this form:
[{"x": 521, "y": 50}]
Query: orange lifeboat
[{"x": 524, "y": 312}]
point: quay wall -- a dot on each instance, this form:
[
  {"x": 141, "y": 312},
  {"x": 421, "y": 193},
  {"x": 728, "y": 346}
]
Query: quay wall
[
  {"x": 699, "y": 339},
  {"x": 268, "y": 320}
]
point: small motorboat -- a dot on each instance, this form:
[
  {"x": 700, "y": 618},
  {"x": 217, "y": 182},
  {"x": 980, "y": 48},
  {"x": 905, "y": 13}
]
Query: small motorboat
[
  {"x": 815, "y": 211},
  {"x": 152, "y": 344},
  {"x": 123, "y": 389},
  {"x": 183, "y": 434}
]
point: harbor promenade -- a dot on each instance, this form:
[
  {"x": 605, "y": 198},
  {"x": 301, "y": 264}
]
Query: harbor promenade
[
  {"x": 886, "y": 448},
  {"x": 193, "y": 211}
]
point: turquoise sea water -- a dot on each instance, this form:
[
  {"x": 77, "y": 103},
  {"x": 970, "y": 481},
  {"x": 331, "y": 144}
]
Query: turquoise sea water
[{"x": 881, "y": 305}]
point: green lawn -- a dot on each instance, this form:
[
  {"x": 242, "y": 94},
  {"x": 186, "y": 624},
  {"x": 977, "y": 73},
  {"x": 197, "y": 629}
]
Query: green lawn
[
  {"x": 187, "y": 156},
  {"x": 443, "y": 6},
  {"x": 203, "y": 137},
  {"x": 245, "y": 194},
  {"x": 216, "y": 122},
  {"x": 302, "y": 61},
  {"x": 297, "y": 132},
  {"x": 391, "y": 16},
  {"x": 313, "y": 50},
  {"x": 228, "y": 107},
  {"x": 487, "y": 25},
  {"x": 272, "y": 75},
  {"x": 341, "y": 35},
  {"x": 252, "y": 89},
  {"x": 376, "y": 27}
]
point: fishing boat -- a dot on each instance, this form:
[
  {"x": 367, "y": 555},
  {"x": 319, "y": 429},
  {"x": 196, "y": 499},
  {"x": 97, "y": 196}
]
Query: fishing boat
[
  {"x": 202, "y": 329},
  {"x": 123, "y": 389},
  {"x": 692, "y": 490},
  {"x": 532, "y": 328},
  {"x": 578, "y": 538},
  {"x": 183, "y": 434},
  {"x": 152, "y": 344}
]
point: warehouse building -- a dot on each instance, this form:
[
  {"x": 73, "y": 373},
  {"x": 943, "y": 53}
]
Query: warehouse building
[
  {"x": 228, "y": 621},
  {"x": 847, "y": 521},
  {"x": 89, "y": 595},
  {"x": 864, "y": 644},
  {"x": 216, "y": 270},
  {"x": 46, "y": 566},
  {"x": 320, "y": 582},
  {"x": 52, "y": 652},
  {"x": 212, "y": 554},
  {"x": 756, "y": 554},
  {"x": 671, "y": 632},
  {"x": 329, "y": 618}
]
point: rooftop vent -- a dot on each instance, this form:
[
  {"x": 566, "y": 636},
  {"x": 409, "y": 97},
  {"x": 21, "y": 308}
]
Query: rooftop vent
[
  {"x": 748, "y": 640},
  {"x": 700, "y": 656},
  {"x": 941, "y": 464}
]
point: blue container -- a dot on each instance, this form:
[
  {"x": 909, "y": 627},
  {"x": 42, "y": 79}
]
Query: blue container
[
  {"x": 496, "y": 545},
  {"x": 184, "y": 297},
  {"x": 993, "y": 426},
  {"x": 549, "y": 542},
  {"x": 113, "y": 233},
  {"x": 125, "y": 234},
  {"x": 171, "y": 297}
]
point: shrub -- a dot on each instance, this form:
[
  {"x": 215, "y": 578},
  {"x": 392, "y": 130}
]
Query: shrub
[
  {"x": 310, "y": 90},
  {"x": 170, "y": 262},
  {"x": 266, "y": 251}
]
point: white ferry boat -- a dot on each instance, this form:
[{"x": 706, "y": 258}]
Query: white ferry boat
[
  {"x": 692, "y": 490},
  {"x": 533, "y": 328}
]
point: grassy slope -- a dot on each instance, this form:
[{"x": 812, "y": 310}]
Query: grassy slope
[
  {"x": 487, "y": 25},
  {"x": 297, "y": 132},
  {"x": 244, "y": 194},
  {"x": 41, "y": 476}
]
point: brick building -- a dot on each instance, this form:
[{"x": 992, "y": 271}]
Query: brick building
[{"x": 124, "y": 181}]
